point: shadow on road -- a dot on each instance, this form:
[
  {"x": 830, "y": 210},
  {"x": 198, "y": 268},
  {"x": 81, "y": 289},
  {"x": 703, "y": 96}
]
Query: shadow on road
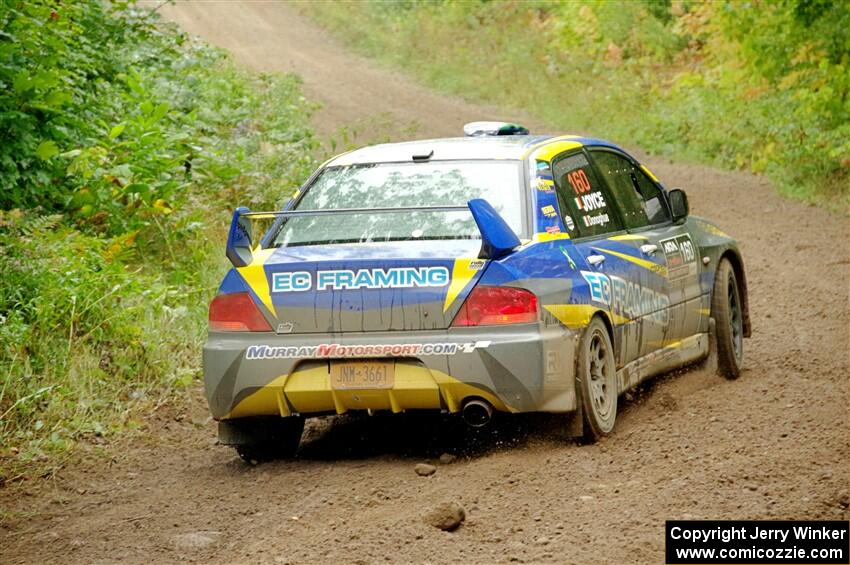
[
  {"x": 426, "y": 434},
  {"x": 423, "y": 435}
]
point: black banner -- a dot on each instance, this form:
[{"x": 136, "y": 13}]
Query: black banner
[{"x": 757, "y": 542}]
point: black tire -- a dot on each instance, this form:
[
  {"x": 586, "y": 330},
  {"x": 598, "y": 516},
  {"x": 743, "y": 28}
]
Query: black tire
[
  {"x": 596, "y": 381},
  {"x": 728, "y": 321},
  {"x": 268, "y": 439}
]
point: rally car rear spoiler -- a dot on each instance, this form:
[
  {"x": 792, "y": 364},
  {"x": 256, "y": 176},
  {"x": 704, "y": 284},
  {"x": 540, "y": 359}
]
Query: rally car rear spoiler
[{"x": 497, "y": 238}]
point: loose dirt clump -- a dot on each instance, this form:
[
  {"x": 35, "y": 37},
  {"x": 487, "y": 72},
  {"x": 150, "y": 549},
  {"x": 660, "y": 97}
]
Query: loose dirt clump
[
  {"x": 424, "y": 469},
  {"x": 448, "y": 516}
]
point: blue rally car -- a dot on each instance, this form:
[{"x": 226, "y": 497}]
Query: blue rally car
[{"x": 497, "y": 271}]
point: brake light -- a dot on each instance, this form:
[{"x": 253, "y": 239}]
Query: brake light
[
  {"x": 236, "y": 313},
  {"x": 497, "y": 305}
]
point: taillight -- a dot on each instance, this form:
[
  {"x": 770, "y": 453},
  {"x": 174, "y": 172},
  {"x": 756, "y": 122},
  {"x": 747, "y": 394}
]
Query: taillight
[
  {"x": 496, "y": 305},
  {"x": 236, "y": 313}
]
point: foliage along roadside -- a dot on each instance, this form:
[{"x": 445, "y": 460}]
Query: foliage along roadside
[
  {"x": 124, "y": 145},
  {"x": 761, "y": 86}
]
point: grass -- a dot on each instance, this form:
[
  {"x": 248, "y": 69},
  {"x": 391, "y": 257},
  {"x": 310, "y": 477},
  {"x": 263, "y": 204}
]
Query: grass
[
  {"x": 683, "y": 80},
  {"x": 104, "y": 293}
]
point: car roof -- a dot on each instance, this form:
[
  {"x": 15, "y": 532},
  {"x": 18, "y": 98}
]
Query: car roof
[{"x": 485, "y": 147}]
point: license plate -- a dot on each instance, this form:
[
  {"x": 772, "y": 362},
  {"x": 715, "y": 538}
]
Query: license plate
[{"x": 346, "y": 375}]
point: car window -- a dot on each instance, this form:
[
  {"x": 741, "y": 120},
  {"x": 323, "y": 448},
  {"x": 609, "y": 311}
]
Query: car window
[
  {"x": 638, "y": 198},
  {"x": 582, "y": 197},
  {"x": 617, "y": 171},
  {"x": 654, "y": 202},
  {"x": 400, "y": 185}
]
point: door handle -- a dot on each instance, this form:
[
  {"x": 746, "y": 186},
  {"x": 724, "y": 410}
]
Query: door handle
[
  {"x": 648, "y": 248},
  {"x": 595, "y": 259}
]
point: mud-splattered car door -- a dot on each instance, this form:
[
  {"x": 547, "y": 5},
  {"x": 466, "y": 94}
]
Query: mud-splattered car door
[
  {"x": 607, "y": 252},
  {"x": 667, "y": 249}
]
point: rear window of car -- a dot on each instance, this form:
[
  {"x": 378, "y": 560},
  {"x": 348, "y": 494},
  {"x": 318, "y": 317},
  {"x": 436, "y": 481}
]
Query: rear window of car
[
  {"x": 403, "y": 185},
  {"x": 582, "y": 197}
]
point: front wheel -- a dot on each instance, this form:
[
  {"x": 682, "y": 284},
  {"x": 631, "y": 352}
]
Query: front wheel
[
  {"x": 728, "y": 321},
  {"x": 596, "y": 380}
]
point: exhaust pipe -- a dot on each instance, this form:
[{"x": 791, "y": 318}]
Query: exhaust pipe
[{"x": 477, "y": 413}]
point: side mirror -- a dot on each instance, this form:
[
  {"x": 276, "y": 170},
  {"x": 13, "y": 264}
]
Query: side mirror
[
  {"x": 498, "y": 239},
  {"x": 240, "y": 242},
  {"x": 678, "y": 204}
]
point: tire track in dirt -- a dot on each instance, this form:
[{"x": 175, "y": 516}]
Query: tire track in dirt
[{"x": 773, "y": 444}]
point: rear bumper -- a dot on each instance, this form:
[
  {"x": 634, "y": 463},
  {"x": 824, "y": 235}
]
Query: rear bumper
[{"x": 520, "y": 368}]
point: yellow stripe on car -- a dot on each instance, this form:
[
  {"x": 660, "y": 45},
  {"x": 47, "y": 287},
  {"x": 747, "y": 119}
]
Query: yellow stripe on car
[
  {"x": 552, "y": 147},
  {"x": 254, "y": 275},
  {"x": 650, "y": 173},
  {"x": 654, "y": 267},
  {"x": 577, "y": 316},
  {"x": 462, "y": 275},
  {"x": 542, "y": 237}
]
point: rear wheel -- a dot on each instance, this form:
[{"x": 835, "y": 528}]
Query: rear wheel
[
  {"x": 596, "y": 379},
  {"x": 258, "y": 440},
  {"x": 728, "y": 321}
]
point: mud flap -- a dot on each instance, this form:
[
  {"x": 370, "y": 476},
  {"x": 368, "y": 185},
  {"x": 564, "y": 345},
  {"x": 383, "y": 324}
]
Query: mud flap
[
  {"x": 256, "y": 431},
  {"x": 712, "y": 344},
  {"x": 575, "y": 427}
]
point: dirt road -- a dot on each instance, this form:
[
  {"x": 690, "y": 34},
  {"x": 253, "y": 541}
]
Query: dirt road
[{"x": 774, "y": 444}]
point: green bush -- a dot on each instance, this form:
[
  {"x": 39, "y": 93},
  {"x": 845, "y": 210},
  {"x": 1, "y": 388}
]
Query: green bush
[
  {"x": 759, "y": 85},
  {"x": 84, "y": 336},
  {"x": 125, "y": 146}
]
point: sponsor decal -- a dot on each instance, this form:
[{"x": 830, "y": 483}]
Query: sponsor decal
[
  {"x": 545, "y": 185},
  {"x": 298, "y": 281},
  {"x": 681, "y": 255},
  {"x": 476, "y": 265},
  {"x": 543, "y": 167},
  {"x": 553, "y": 366},
  {"x": 568, "y": 220},
  {"x": 344, "y": 279},
  {"x": 285, "y": 327},
  {"x": 590, "y": 202},
  {"x": 567, "y": 255},
  {"x": 627, "y": 299},
  {"x": 598, "y": 220},
  {"x": 579, "y": 181},
  {"x": 553, "y": 229},
  {"x": 564, "y": 166},
  {"x": 338, "y": 350},
  {"x": 549, "y": 211}
]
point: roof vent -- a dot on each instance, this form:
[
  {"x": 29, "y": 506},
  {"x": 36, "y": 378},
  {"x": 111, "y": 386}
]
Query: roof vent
[{"x": 478, "y": 129}]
